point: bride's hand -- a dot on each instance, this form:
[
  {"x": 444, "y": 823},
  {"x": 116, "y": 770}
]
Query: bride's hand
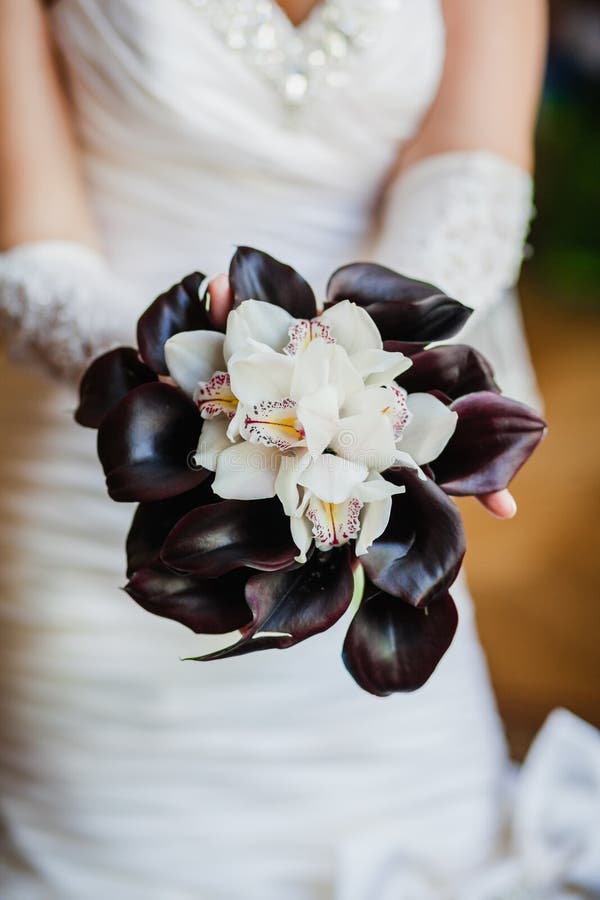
[
  {"x": 221, "y": 298},
  {"x": 500, "y": 503}
]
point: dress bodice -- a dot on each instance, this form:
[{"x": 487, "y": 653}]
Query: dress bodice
[{"x": 190, "y": 139}]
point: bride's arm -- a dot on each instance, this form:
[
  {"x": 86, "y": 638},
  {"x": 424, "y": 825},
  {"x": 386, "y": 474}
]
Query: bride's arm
[
  {"x": 40, "y": 182},
  {"x": 59, "y": 302},
  {"x": 457, "y": 210}
]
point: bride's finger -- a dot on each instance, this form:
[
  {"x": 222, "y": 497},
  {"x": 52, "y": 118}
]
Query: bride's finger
[
  {"x": 219, "y": 298},
  {"x": 501, "y": 504}
]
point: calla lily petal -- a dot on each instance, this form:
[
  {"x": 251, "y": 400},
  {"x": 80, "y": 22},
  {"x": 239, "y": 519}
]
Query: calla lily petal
[
  {"x": 152, "y": 523},
  {"x": 352, "y": 327},
  {"x": 494, "y": 437},
  {"x": 178, "y": 309},
  {"x": 429, "y": 429},
  {"x": 258, "y": 276},
  {"x": 206, "y": 605},
  {"x": 419, "y": 554},
  {"x": 107, "y": 380},
  {"x": 399, "y": 306},
  {"x": 456, "y": 370},
  {"x": 391, "y": 646},
  {"x": 144, "y": 444},
  {"x": 213, "y": 540},
  {"x": 288, "y": 607},
  {"x": 193, "y": 356},
  {"x": 256, "y": 321},
  {"x": 246, "y": 471}
]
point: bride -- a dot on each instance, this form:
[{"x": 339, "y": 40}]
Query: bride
[{"x": 396, "y": 130}]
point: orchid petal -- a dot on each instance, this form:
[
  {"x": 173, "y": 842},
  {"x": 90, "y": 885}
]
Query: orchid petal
[
  {"x": 352, "y": 327},
  {"x": 333, "y": 524},
  {"x": 376, "y": 495},
  {"x": 178, "y": 309},
  {"x": 256, "y": 275},
  {"x": 379, "y": 367},
  {"x": 215, "y": 397},
  {"x": 367, "y": 439},
  {"x": 273, "y": 423},
  {"x": 323, "y": 363},
  {"x": 391, "y": 646},
  {"x": 429, "y": 429},
  {"x": 212, "y": 540},
  {"x": 373, "y": 521},
  {"x": 246, "y": 471},
  {"x": 213, "y": 440},
  {"x": 256, "y": 321},
  {"x": 286, "y": 484},
  {"x": 260, "y": 376},
  {"x": 303, "y": 332},
  {"x": 193, "y": 356},
  {"x": 318, "y": 414},
  {"x": 333, "y": 479},
  {"x": 302, "y": 535}
]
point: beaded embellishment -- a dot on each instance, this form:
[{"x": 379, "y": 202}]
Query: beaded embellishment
[{"x": 297, "y": 60}]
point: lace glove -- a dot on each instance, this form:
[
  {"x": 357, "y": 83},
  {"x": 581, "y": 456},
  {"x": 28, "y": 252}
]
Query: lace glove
[
  {"x": 60, "y": 305},
  {"x": 458, "y": 220}
]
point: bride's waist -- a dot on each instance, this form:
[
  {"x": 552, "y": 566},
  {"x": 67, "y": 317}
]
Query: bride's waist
[{"x": 158, "y": 225}]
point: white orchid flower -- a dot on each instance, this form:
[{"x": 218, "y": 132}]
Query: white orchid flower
[{"x": 308, "y": 411}]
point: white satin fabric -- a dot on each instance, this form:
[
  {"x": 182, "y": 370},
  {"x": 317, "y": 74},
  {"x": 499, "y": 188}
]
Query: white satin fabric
[{"x": 124, "y": 771}]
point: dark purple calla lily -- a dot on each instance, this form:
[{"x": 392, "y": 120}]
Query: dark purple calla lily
[
  {"x": 296, "y": 604},
  {"x": 409, "y": 348},
  {"x": 494, "y": 437},
  {"x": 213, "y": 540},
  {"x": 152, "y": 523},
  {"x": 392, "y": 647},
  {"x": 178, "y": 309},
  {"x": 144, "y": 444},
  {"x": 456, "y": 370},
  {"x": 107, "y": 380},
  {"x": 402, "y": 308},
  {"x": 255, "y": 275},
  {"x": 207, "y": 606},
  {"x": 419, "y": 554}
]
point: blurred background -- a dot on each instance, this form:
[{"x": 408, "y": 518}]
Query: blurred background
[{"x": 536, "y": 579}]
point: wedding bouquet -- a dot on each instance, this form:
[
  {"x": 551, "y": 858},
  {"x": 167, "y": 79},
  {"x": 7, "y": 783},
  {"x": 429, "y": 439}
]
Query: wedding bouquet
[{"x": 273, "y": 458}]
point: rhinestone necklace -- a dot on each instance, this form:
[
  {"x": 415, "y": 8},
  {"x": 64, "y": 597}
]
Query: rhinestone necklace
[{"x": 297, "y": 60}]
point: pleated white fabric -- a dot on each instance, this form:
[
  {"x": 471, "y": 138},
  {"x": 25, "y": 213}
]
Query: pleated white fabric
[{"x": 125, "y": 771}]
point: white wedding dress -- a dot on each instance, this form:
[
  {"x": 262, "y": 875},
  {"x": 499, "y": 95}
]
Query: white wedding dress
[{"x": 124, "y": 771}]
